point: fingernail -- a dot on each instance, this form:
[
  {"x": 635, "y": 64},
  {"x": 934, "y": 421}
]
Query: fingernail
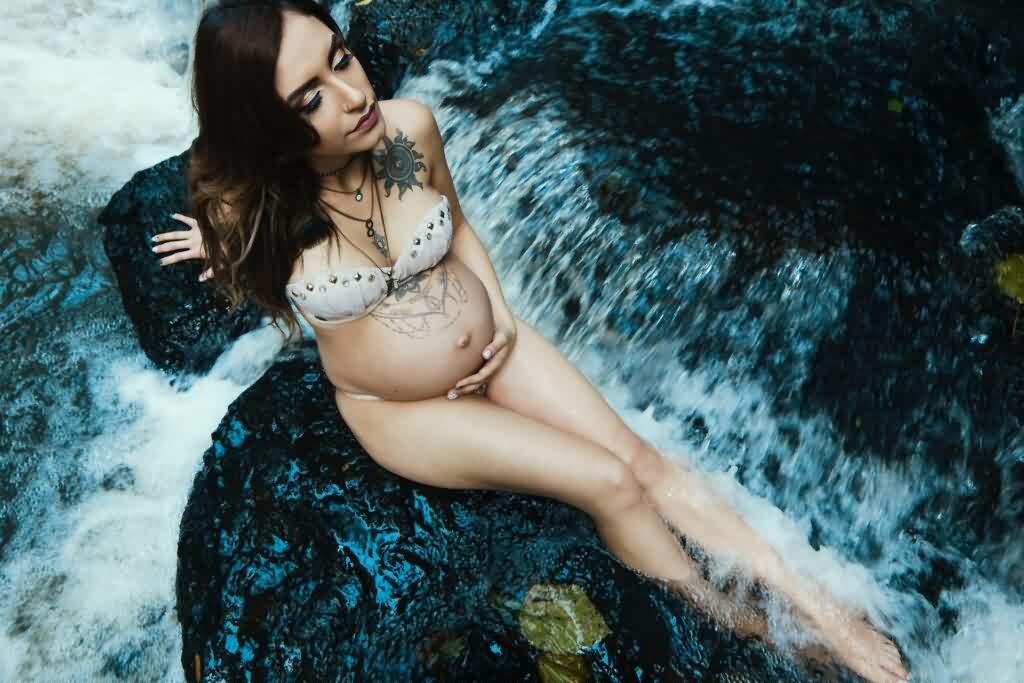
[
  {"x": 452, "y": 395},
  {"x": 154, "y": 248},
  {"x": 153, "y": 238},
  {"x": 487, "y": 353}
]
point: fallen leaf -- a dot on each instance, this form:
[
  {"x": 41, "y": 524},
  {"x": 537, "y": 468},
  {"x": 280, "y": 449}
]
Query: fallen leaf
[
  {"x": 562, "y": 669},
  {"x": 561, "y": 619},
  {"x": 453, "y": 647},
  {"x": 1010, "y": 276}
]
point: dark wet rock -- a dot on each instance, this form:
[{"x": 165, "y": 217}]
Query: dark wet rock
[
  {"x": 397, "y": 37},
  {"x": 792, "y": 183},
  {"x": 181, "y": 323},
  {"x": 121, "y": 478},
  {"x": 300, "y": 559},
  {"x": 995, "y": 237},
  {"x": 859, "y": 133},
  {"x": 781, "y": 125}
]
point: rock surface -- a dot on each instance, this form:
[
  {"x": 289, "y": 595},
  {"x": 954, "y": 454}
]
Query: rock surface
[
  {"x": 400, "y": 37},
  {"x": 181, "y": 323},
  {"x": 300, "y": 559},
  {"x": 861, "y": 130}
]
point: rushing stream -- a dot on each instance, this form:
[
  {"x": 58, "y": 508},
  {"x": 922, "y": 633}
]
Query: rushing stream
[{"x": 786, "y": 362}]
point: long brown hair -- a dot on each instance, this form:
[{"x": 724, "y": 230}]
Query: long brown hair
[{"x": 253, "y": 196}]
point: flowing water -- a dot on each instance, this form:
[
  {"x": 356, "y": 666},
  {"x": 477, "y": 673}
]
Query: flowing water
[{"x": 99, "y": 449}]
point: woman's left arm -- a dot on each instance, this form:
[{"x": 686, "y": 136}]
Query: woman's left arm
[{"x": 471, "y": 251}]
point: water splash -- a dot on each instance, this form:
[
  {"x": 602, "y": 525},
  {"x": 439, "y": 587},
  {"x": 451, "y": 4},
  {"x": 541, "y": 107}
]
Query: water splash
[{"x": 90, "y": 591}]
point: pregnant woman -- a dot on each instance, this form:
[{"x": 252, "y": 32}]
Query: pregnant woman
[{"x": 310, "y": 195}]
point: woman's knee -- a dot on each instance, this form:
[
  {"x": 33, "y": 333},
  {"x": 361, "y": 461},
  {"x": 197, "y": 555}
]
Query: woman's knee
[
  {"x": 646, "y": 462},
  {"x": 617, "y": 488}
]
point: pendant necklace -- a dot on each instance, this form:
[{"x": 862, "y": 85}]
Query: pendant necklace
[
  {"x": 358, "y": 192},
  {"x": 380, "y": 242}
]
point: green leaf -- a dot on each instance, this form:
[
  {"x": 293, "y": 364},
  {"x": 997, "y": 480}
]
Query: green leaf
[
  {"x": 561, "y": 619},
  {"x": 562, "y": 669},
  {"x": 1010, "y": 276},
  {"x": 895, "y": 105},
  {"x": 452, "y": 647}
]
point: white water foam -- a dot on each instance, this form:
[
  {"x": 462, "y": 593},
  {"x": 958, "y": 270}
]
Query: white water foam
[
  {"x": 849, "y": 497},
  {"x": 96, "y": 580},
  {"x": 92, "y": 90},
  {"x": 95, "y": 91}
]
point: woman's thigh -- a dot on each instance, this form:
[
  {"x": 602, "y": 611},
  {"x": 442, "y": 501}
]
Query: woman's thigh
[
  {"x": 538, "y": 381},
  {"x": 474, "y": 443}
]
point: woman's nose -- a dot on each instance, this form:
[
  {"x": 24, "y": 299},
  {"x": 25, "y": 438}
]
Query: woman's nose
[{"x": 352, "y": 98}]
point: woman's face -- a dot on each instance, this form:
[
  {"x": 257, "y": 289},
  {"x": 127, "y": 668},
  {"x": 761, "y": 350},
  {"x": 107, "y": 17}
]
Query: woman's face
[{"x": 326, "y": 86}]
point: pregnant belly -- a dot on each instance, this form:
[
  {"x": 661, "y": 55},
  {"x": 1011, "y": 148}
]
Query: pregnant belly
[{"x": 423, "y": 338}]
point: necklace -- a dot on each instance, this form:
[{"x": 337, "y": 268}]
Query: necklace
[
  {"x": 358, "y": 192},
  {"x": 381, "y": 244},
  {"x": 378, "y": 241},
  {"x": 324, "y": 174}
]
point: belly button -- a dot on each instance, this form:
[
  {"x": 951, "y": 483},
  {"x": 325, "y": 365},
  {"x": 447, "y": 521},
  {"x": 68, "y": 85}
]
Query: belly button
[{"x": 463, "y": 341}]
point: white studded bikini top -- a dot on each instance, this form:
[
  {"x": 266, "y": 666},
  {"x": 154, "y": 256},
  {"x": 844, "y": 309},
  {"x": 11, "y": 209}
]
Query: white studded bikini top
[{"x": 340, "y": 296}]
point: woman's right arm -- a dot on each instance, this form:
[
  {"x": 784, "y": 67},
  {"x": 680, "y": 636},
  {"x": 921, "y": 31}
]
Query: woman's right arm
[{"x": 186, "y": 244}]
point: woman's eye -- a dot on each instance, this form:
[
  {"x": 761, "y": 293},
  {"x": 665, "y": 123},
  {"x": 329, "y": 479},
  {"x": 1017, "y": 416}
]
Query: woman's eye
[
  {"x": 313, "y": 104},
  {"x": 343, "y": 62}
]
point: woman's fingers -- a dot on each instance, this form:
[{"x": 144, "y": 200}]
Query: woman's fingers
[
  {"x": 479, "y": 376},
  {"x": 171, "y": 246},
  {"x": 495, "y": 346},
  {"x": 206, "y": 275},
  {"x": 185, "y": 219},
  {"x": 172, "y": 235},
  {"x": 468, "y": 390},
  {"x": 467, "y": 384},
  {"x": 179, "y": 256}
]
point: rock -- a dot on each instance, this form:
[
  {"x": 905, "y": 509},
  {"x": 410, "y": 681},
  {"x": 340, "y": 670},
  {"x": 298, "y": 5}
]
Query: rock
[
  {"x": 181, "y": 323},
  {"x": 995, "y": 237},
  {"x": 400, "y": 36},
  {"x": 300, "y": 559},
  {"x": 810, "y": 126}
]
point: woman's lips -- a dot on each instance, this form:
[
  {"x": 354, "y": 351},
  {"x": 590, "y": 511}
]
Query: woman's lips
[{"x": 368, "y": 120}]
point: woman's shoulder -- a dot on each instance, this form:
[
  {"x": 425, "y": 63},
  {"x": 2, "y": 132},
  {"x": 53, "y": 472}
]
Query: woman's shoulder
[
  {"x": 411, "y": 124},
  {"x": 411, "y": 117}
]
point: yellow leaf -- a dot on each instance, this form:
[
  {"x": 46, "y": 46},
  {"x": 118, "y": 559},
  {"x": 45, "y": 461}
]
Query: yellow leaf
[
  {"x": 1010, "y": 276},
  {"x": 895, "y": 105},
  {"x": 562, "y": 669},
  {"x": 561, "y": 619},
  {"x": 453, "y": 647},
  {"x": 361, "y": 3}
]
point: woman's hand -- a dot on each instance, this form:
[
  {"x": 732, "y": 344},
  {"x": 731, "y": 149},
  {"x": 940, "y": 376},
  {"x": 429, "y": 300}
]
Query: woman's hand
[
  {"x": 187, "y": 244},
  {"x": 494, "y": 353}
]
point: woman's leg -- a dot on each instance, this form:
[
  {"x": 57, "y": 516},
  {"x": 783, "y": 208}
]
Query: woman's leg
[
  {"x": 473, "y": 443},
  {"x": 538, "y": 381}
]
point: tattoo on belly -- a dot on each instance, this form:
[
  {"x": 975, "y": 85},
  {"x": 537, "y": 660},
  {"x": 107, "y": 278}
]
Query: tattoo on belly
[{"x": 423, "y": 304}]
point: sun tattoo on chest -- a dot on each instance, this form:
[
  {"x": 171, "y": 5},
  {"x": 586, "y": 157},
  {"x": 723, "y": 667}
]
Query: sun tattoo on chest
[{"x": 399, "y": 163}]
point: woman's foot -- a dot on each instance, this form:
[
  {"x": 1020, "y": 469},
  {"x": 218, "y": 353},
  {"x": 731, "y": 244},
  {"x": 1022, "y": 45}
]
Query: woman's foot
[{"x": 860, "y": 647}]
